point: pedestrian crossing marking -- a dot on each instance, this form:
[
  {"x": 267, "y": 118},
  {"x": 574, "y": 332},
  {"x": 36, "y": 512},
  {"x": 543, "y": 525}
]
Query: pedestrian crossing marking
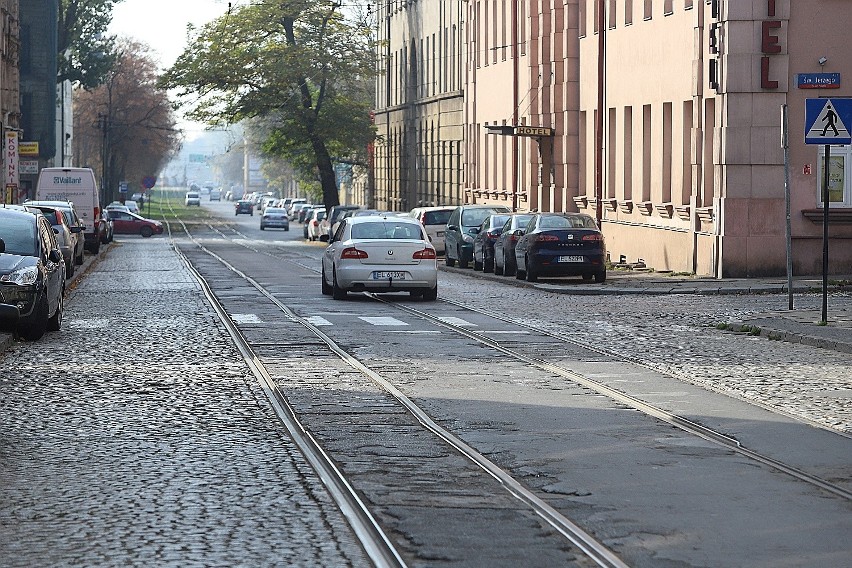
[
  {"x": 318, "y": 320},
  {"x": 246, "y": 318},
  {"x": 457, "y": 321},
  {"x": 828, "y": 124},
  {"x": 384, "y": 321}
]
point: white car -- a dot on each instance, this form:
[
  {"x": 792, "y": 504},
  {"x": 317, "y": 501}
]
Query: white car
[
  {"x": 193, "y": 198},
  {"x": 380, "y": 254},
  {"x": 435, "y": 220},
  {"x": 312, "y": 223}
]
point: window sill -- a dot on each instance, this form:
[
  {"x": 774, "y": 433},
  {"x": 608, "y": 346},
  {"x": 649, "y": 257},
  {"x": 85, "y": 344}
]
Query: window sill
[{"x": 841, "y": 215}]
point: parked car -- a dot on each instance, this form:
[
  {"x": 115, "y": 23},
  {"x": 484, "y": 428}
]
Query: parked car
[
  {"x": 73, "y": 220},
  {"x": 483, "y": 242},
  {"x": 331, "y": 219},
  {"x": 504, "y": 247},
  {"x": 435, "y": 220},
  {"x": 193, "y": 198},
  {"x": 32, "y": 273},
  {"x": 380, "y": 254},
  {"x": 295, "y": 208},
  {"x": 275, "y": 217},
  {"x": 215, "y": 194},
  {"x": 77, "y": 186},
  {"x": 118, "y": 206},
  {"x": 108, "y": 227},
  {"x": 125, "y": 223},
  {"x": 312, "y": 223},
  {"x": 132, "y": 205},
  {"x": 69, "y": 239},
  {"x": 561, "y": 244},
  {"x": 462, "y": 227},
  {"x": 244, "y": 206},
  {"x": 305, "y": 210}
]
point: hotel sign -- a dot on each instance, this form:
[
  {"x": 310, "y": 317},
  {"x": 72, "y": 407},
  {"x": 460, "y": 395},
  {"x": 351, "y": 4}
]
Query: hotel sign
[
  {"x": 769, "y": 45},
  {"x": 534, "y": 131}
]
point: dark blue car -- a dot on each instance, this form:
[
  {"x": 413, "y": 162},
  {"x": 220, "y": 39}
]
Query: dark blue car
[
  {"x": 504, "y": 246},
  {"x": 561, "y": 244}
]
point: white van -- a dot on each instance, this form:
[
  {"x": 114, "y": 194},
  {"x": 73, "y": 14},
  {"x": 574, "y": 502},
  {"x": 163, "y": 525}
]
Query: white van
[{"x": 78, "y": 186}]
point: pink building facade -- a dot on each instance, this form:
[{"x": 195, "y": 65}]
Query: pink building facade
[{"x": 662, "y": 118}]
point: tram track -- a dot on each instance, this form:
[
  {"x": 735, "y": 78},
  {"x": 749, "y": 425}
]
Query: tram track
[
  {"x": 376, "y": 543},
  {"x": 691, "y": 427}
]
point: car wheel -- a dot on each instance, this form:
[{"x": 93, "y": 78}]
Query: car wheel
[
  {"x": 531, "y": 272},
  {"x": 69, "y": 268},
  {"x": 262, "y": 227},
  {"x": 462, "y": 260},
  {"x": 337, "y": 292},
  {"x": 251, "y": 214},
  {"x": 477, "y": 265},
  {"x": 519, "y": 274},
  {"x": 35, "y": 325},
  {"x": 146, "y": 232},
  {"x": 488, "y": 265},
  {"x": 78, "y": 260},
  {"x": 509, "y": 267},
  {"x": 450, "y": 261},
  {"x": 96, "y": 248},
  {"x": 415, "y": 293},
  {"x": 587, "y": 277},
  {"x": 600, "y": 277},
  {"x": 431, "y": 294},
  {"x": 326, "y": 289},
  {"x": 55, "y": 321},
  {"x": 286, "y": 228},
  {"x": 498, "y": 270}
]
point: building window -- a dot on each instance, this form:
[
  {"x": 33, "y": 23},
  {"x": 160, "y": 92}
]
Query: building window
[
  {"x": 628, "y": 12},
  {"x": 649, "y": 9},
  {"x": 686, "y": 187},
  {"x": 628, "y": 153},
  {"x": 839, "y": 176},
  {"x": 582, "y": 15},
  {"x": 646, "y": 152},
  {"x": 611, "y": 14},
  {"x": 668, "y": 7}
]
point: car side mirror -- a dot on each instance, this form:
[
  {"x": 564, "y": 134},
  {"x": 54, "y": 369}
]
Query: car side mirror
[
  {"x": 2, "y": 246},
  {"x": 452, "y": 227},
  {"x": 54, "y": 256},
  {"x": 475, "y": 231},
  {"x": 76, "y": 229},
  {"x": 518, "y": 233},
  {"x": 324, "y": 238}
]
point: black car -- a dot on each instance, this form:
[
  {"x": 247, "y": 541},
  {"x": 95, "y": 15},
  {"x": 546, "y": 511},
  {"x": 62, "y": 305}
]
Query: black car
[
  {"x": 560, "y": 244},
  {"x": 32, "y": 272},
  {"x": 461, "y": 230},
  {"x": 244, "y": 206},
  {"x": 483, "y": 243},
  {"x": 504, "y": 246}
]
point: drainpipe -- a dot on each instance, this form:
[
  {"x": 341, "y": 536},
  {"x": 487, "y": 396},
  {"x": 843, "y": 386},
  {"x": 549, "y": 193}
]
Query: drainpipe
[
  {"x": 515, "y": 52},
  {"x": 599, "y": 120}
]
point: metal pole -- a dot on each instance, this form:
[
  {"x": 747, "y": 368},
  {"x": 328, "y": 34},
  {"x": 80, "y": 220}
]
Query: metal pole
[
  {"x": 789, "y": 231},
  {"x": 825, "y": 179},
  {"x": 599, "y": 121}
]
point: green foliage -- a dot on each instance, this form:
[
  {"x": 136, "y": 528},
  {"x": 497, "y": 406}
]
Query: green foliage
[
  {"x": 86, "y": 52},
  {"x": 298, "y": 69}
]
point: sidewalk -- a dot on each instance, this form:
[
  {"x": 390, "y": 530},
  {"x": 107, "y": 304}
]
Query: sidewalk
[{"x": 797, "y": 326}]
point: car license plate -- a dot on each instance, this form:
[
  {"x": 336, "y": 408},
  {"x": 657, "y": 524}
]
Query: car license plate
[
  {"x": 388, "y": 275},
  {"x": 570, "y": 259},
  {"x": 440, "y": 233}
]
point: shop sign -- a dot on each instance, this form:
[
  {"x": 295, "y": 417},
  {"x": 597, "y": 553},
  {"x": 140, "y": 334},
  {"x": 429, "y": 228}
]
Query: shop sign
[
  {"x": 28, "y": 167},
  {"x": 769, "y": 45},
  {"x": 28, "y": 149}
]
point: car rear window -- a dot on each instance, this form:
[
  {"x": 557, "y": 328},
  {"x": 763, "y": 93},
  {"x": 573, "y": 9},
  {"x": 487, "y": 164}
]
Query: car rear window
[
  {"x": 475, "y": 217},
  {"x": 572, "y": 222},
  {"x": 386, "y": 230},
  {"x": 51, "y": 216},
  {"x": 437, "y": 217},
  {"x": 19, "y": 236}
]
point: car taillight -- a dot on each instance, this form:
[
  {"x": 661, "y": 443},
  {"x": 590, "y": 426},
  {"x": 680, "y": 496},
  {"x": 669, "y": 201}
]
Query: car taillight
[
  {"x": 592, "y": 237},
  {"x": 352, "y": 252},
  {"x": 425, "y": 254},
  {"x": 547, "y": 238},
  {"x": 316, "y": 223}
]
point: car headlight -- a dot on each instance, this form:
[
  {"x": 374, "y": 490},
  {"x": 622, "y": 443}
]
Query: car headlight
[
  {"x": 22, "y": 277},
  {"x": 467, "y": 238}
]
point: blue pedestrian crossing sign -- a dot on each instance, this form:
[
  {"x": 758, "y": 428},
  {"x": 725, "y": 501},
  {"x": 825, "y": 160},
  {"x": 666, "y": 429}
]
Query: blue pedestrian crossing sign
[{"x": 827, "y": 121}]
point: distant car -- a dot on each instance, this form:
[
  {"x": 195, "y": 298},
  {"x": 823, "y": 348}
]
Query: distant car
[
  {"x": 327, "y": 224},
  {"x": 193, "y": 198},
  {"x": 137, "y": 197},
  {"x": 274, "y": 217},
  {"x": 132, "y": 205},
  {"x": 504, "y": 247},
  {"x": 215, "y": 194},
  {"x": 69, "y": 239},
  {"x": 296, "y": 208},
  {"x": 561, "y": 244},
  {"x": 380, "y": 254},
  {"x": 109, "y": 227},
  {"x": 462, "y": 227},
  {"x": 312, "y": 223},
  {"x": 483, "y": 242},
  {"x": 435, "y": 220},
  {"x": 305, "y": 211},
  {"x": 32, "y": 272},
  {"x": 244, "y": 206},
  {"x": 125, "y": 223}
]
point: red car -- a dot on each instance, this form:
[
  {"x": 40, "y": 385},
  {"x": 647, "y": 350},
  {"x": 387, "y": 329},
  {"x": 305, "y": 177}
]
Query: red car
[{"x": 126, "y": 223}]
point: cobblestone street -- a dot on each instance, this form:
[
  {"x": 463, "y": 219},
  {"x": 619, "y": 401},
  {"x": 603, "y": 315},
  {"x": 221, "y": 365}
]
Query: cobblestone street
[{"x": 159, "y": 449}]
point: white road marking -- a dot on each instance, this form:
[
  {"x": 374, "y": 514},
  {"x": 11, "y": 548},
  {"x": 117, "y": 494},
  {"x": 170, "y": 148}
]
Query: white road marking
[
  {"x": 382, "y": 320},
  {"x": 246, "y": 318},
  {"x": 513, "y": 332},
  {"x": 419, "y": 331},
  {"x": 318, "y": 320},
  {"x": 457, "y": 321}
]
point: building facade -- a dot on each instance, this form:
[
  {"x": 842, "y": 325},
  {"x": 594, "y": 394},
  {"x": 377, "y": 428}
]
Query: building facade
[
  {"x": 417, "y": 158},
  {"x": 10, "y": 110}
]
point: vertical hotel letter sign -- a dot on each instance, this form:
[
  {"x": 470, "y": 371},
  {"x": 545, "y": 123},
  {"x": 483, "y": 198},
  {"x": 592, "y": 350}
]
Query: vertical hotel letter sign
[
  {"x": 769, "y": 44},
  {"x": 11, "y": 167}
]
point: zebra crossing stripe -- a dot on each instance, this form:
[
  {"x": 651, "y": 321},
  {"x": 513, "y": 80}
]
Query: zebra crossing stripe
[{"x": 382, "y": 321}]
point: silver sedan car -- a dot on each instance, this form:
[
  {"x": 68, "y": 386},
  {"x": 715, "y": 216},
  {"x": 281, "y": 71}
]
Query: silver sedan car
[{"x": 380, "y": 254}]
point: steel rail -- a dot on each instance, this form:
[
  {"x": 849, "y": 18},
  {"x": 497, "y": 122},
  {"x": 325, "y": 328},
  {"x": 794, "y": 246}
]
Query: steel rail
[
  {"x": 668, "y": 417},
  {"x": 375, "y": 542},
  {"x": 591, "y": 547}
]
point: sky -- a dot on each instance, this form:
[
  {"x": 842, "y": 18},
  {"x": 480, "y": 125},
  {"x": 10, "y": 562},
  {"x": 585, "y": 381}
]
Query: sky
[{"x": 162, "y": 25}]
